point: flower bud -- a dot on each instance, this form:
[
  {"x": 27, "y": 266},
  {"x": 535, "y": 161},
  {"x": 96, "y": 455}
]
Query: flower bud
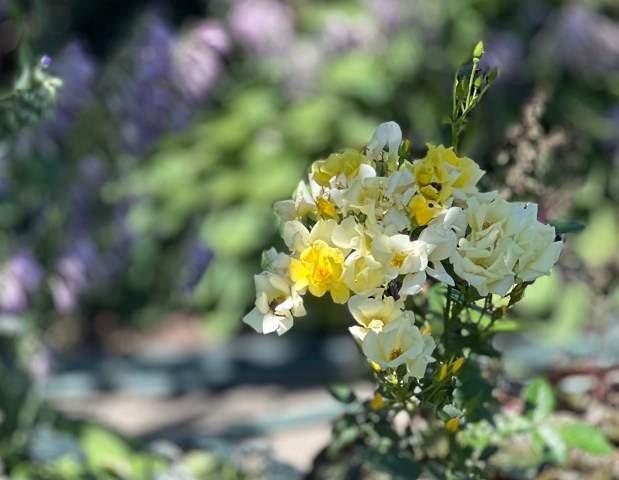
[
  {"x": 442, "y": 372},
  {"x": 456, "y": 365},
  {"x": 377, "y": 402},
  {"x": 479, "y": 50},
  {"x": 452, "y": 424}
]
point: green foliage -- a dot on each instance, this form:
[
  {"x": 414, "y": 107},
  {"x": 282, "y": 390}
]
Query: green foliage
[
  {"x": 32, "y": 99},
  {"x": 540, "y": 399},
  {"x": 585, "y": 437},
  {"x": 342, "y": 393},
  {"x": 470, "y": 85}
]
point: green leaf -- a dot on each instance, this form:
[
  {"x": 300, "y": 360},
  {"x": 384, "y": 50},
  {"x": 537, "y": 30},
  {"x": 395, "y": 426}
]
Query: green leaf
[
  {"x": 585, "y": 437},
  {"x": 567, "y": 226},
  {"x": 342, "y": 393},
  {"x": 506, "y": 326},
  {"x": 554, "y": 442},
  {"x": 540, "y": 397},
  {"x": 400, "y": 465},
  {"x": 104, "y": 449},
  {"x": 487, "y": 452}
]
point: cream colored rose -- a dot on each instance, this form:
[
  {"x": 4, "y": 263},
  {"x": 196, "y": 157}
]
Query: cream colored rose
[
  {"x": 504, "y": 244},
  {"x": 400, "y": 343},
  {"x": 372, "y": 312},
  {"x": 277, "y": 302}
]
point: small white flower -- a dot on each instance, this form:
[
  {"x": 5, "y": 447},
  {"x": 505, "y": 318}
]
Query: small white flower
[
  {"x": 277, "y": 302},
  {"x": 504, "y": 244},
  {"x": 441, "y": 237},
  {"x": 400, "y": 255},
  {"x": 303, "y": 204},
  {"x": 388, "y": 134},
  {"x": 372, "y": 311},
  {"x": 400, "y": 343},
  {"x": 276, "y": 262},
  {"x": 541, "y": 250}
]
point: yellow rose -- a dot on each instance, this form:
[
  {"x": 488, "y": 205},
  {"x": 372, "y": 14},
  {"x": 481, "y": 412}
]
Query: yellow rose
[{"x": 320, "y": 269}]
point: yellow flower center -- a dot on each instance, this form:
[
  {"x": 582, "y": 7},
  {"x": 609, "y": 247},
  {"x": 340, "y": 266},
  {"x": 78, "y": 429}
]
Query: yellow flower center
[
  {"x": 322, "y": 272},
  {"x": 395, "y": 353},
  {"x": 325, "y": 207},
  {"x": 320, "y": 268},
  {"x": 276, "y": 302},
  {"x": 377, "y": 402},
  {"x": 397, "y": 260},
  {"x": 422, "y": 209}
]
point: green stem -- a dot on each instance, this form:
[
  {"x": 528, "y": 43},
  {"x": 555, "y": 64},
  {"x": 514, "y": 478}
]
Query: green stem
[
  {"x": 470, "y": 87},
  {"x": 455, "y": 133},
  {"x": 446, "y": 315}
]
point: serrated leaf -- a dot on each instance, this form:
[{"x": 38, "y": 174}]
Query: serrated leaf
[
  {"x": 540, "y": 397},
  {"x": 585, "y": 437},
  {"x": 342, "y": 393}
]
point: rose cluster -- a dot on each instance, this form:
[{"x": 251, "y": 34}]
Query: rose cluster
[{"x": 371, "y": 227}]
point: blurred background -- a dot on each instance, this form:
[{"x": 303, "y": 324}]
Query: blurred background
[{"x": 133, "y": 218}]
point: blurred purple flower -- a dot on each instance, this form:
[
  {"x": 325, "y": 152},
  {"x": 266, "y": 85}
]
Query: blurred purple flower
[
  {"x": 393, "y": 14},
  {"x": 78, "y": 73},
  {"x": 198, "y": 258},
  {"x": 20, "y": 276},
  {"x": 74, "y": 274},
  {"x": 84, "y": 195},
  {"x": 303, "y": 66},
  {"x": 198, "y": 58},
  {"x": 343, "y": 32},
  {"x": 581, "y": 40},
  {"x": 42, "y": 363},
  {"x": 264, "y": 27},
  {"x": 153, "y": 84},
  {"x": 504, "y": 50},
  {"x": 46, "y": 61},
  {"x": 91, "y": 170},
  {"x": 140, "y": 95}
]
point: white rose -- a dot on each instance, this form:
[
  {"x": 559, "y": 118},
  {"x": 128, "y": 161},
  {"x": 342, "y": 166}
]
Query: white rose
[
  {"x": 277, "y": 302},
  {"x": 372, "y": 311},
  {"x": 504, "y": 244},
  {"x": 400, "y": 343}
]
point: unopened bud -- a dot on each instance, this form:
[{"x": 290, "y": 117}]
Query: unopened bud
[
  {"x": 457, "y": 365},
  {"x": 377, "y": 402},
  {"x": 479, "y": 50},
  {"x": 442, "y": 373},
  {"x": 452, "y": 424}
]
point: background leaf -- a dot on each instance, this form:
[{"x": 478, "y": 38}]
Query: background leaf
[
  {"x": 585, "y": 437},
  {"x": 540, "y": 397}
]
